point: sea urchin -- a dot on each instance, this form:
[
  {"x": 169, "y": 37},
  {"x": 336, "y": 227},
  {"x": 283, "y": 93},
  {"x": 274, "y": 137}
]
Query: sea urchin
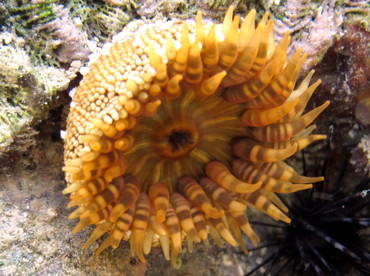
[
  {"x": 177, "y": 128},
  {"x": 329, "y": 229}
]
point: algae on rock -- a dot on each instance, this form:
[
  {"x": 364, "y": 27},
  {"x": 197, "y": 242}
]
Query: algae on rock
[{"x": 26, "y": 89}]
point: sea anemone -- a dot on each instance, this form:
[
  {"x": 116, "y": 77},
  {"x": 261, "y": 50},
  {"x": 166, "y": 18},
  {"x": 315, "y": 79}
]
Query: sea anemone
[{"x": 179, "y": 127}]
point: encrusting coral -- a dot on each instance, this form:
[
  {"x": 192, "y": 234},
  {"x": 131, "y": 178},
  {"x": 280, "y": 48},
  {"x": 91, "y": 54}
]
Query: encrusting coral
[{"x": 176, "y": 129}]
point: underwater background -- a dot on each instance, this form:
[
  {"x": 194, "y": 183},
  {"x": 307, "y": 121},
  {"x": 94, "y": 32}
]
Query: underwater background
[{"x": 43, "y": 47}]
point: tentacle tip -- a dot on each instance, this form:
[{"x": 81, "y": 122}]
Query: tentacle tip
[
  {"x": 161, "y": 216},
  {"x": 203, "y": 234},
  {"x": 70, "y": 204},
  {"x": 116, "y": 214},
  {"x": 214, "y": 213},
  {"x": 99, "y": 251},
  {"x": 77, "y": 229},
  {"x": 217, "y": 213},
  {"x": 66, "y": 191},
  {"x": 85, "y": 245},
  {"x": 195, "y": 238},
  {"x": 233, "y": 243},
  {"x": 72, "y": 216},
  {"x": 256, "y": 186},
  {"x": 142, "y": 258}
]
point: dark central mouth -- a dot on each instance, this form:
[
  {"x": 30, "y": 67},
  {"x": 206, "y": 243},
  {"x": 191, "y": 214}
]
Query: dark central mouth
[
  {"x": 180, "y": 139},
  {"x": 176, "y": 140}
]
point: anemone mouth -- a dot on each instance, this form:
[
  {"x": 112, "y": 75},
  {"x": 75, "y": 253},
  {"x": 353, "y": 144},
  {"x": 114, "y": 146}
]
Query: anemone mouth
[
  {"x": 181, "y": 141},
  {"x": 180, "y": 127},
  {"x": 182, "y": 137}
]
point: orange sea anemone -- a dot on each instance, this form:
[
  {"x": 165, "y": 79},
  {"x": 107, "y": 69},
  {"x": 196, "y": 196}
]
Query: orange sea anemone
[{"x": 181, "y": 126}]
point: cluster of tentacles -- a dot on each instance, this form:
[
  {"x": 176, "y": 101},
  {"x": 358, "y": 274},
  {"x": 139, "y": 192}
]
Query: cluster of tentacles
[{"x": 178, "y": 128}]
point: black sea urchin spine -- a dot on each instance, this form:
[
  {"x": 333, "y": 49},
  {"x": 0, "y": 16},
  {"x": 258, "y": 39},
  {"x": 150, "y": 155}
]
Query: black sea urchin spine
[{"x": 329, "y": 232}]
